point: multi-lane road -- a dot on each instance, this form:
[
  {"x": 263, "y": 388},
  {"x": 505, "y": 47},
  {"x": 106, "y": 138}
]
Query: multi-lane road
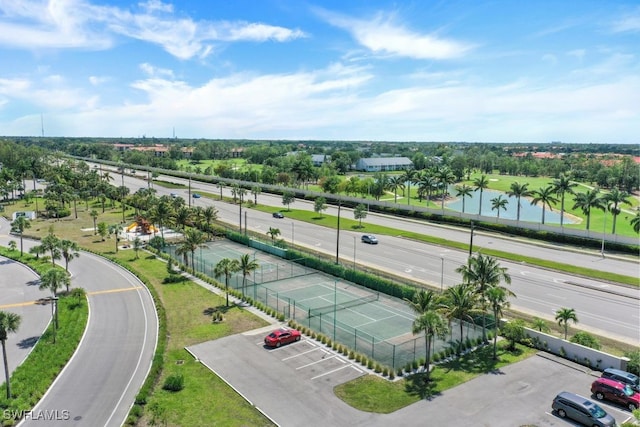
[{"x": 605, "y": 308}]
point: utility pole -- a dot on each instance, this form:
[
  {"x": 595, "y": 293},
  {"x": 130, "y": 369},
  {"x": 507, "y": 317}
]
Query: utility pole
[
  {"x": 338, "y": 236},
  {"x": 471, "y": 241}
]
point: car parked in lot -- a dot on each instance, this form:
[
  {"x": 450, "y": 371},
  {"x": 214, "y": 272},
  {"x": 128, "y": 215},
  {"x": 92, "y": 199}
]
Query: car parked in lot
[
  {"x": 369, "y": 238},
  {"x": 615, "y": 391},
  {"x": 582, "y": 410},
  {"x": 623, "y": 377},
  {"x": 278, "y": 215},
  {"x": 282, "y": 336}
]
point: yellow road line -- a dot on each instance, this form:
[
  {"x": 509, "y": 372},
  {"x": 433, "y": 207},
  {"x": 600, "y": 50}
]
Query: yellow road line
[{"x": 45, "y": 300}]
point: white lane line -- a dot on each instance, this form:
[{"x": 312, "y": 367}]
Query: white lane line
[{"x": 316, "y": 362}]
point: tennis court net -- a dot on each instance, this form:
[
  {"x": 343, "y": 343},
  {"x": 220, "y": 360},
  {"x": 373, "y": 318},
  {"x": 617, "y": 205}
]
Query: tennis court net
[{"x": 313, "y": 312}]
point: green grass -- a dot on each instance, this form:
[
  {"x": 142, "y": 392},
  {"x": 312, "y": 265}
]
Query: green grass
[
  {"x": 188, "y": 309},
  {"x": 350, "y": 224},
  {"x": 34, "y": 376},
  {"x": 373, "y": 394}
]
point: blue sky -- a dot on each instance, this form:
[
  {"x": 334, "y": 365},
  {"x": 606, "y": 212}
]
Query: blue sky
[{"x": 470, "y": 70}]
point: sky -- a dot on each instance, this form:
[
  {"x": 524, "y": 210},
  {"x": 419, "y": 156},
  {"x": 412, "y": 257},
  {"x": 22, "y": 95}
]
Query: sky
[{"x": 364, "y": 70}]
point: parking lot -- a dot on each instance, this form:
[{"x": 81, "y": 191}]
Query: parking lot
[{"x": 293, "y": 385}]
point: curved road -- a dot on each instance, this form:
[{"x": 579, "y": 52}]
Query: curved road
[{"x": 98, "y": 385}]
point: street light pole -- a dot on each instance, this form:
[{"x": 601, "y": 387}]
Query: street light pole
[
  {"x": 354, "y": 253},
  {"x": 442, "y": 275},
  {"x": 292, "y": 232},
  {"x": 471, "y": 241},
  {"x": 338, "y": 236},
  {"x": 604, "y": 230}
]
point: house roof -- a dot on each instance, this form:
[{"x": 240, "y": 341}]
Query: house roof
[{"x": 386, "y": 161}]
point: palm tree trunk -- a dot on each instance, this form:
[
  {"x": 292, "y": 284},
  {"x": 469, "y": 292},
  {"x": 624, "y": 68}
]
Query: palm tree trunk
[{"x": 6, "y": 369}]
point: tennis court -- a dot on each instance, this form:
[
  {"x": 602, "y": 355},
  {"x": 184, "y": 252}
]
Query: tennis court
[{"x": 378, "y": 326}]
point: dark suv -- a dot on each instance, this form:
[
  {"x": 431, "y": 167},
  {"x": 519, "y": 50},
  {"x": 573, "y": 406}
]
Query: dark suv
[
  {"x": 623, "y": 377},
  {"x": 604, "y": 388},
  {"x": 582, "y": 410}
]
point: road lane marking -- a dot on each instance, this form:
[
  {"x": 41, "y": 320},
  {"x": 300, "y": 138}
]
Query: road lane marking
[
  {"x": 109, "y": 291},
  {"x": 19, "y": 304}
]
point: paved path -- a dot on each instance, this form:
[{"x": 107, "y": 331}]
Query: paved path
[{"x": 98, "y": 385}]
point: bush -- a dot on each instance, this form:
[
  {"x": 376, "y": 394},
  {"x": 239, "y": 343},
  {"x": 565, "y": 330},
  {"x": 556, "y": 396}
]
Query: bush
[
  {"x": 174, "y": 383},
  {"x": 633, "y": 365},
  {"x": 586, "y": 339}
]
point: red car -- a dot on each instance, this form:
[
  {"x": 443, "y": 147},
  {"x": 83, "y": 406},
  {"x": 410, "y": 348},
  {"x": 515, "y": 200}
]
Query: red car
[
  {"x": 281, "y": 336},
  {"x": 604, "y": 388}
]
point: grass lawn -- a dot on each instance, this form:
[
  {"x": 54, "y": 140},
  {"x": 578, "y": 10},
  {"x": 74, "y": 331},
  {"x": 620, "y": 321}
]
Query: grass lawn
[{"x": 374, "y": 394}]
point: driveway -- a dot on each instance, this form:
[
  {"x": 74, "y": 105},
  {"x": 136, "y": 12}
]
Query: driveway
[{"x": 293, "y": 386}]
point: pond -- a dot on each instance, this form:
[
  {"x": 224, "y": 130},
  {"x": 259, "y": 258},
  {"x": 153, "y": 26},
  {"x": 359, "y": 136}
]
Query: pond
[{"x": 528, "y": 212}]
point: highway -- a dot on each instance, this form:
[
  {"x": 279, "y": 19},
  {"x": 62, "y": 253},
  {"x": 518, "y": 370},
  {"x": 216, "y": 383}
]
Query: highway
[
  {"x": 604, "y": 308},
  {"x": 99, "y": 384}
]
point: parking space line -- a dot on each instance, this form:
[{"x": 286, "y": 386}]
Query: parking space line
[
  {"x": 331, "y": 372},
  {"x": 300, "y": 354},
  {"x": 317, "y": 361}
]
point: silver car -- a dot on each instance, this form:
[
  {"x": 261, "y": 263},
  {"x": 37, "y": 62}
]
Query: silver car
[{"x": 582, "y": 410}]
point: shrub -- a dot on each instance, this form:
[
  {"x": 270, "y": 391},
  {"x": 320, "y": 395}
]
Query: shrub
[
  {"x": 399, "y": 372},
  {"x": 174, "y": 383},
  {"x": 633, "y": 365},
  {"x": 369, "y": 363},
  {"x": 415, "y": 364},
  {"x": 378, "y": 368},
  {"x": 436, "y": 358},
  {"x": 352, "y": 355},
  {"x": 586, "y": 339}
]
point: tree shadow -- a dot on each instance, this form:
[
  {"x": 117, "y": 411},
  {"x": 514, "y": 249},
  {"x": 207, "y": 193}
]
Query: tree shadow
[
  {"x": 211, "y": 310},
  {"x": 417, "y": 385},
  {"x": 28, "y": 342}
]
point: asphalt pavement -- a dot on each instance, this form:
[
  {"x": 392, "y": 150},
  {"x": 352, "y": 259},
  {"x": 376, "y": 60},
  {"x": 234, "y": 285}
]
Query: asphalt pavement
[{"x": 98, "y": 385}]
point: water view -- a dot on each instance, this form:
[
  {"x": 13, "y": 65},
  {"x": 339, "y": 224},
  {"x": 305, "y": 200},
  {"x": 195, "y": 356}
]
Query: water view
[{"x": 528, "y": 212}]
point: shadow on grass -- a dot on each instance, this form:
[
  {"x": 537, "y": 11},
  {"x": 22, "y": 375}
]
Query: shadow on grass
[
  {"x": 480, "y": 361},
  {"x": 418, "y": 385},
  {"x": 221, "y": 308}
]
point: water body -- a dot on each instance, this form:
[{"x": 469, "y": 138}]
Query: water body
[{"x": 528, "y": 212}]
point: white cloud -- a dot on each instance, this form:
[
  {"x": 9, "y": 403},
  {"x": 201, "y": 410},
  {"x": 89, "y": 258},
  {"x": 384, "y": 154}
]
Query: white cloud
[
  {"x": 383, "y": 36},
  {"x": 98, "y": 80},
  {"x": 627, "y": 23},
  {"x": 37, "y": 24}
]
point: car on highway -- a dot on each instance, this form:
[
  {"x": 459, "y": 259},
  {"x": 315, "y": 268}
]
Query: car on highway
[
  {"x": 615, "y": 391},
  {"x": 369, "y": 238},
  {"x": 174, "y": 195},
  {"x": 278, "y": 215},
  {"x": 623, "y": 377},
  {"x": 582, "y": 410},
  {"x": 196, "y": 196},
  {"x": 282, "y": 336}
]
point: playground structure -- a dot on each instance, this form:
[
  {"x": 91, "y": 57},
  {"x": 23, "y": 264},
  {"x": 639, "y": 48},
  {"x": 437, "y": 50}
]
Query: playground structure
[{"x": 141, "y": 226}]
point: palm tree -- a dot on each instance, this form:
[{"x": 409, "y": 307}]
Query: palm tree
[
  {"x": 273, "y": 232},
  {"x": 94, "y": 214},
  {"x": 9, "y": 323},
  {"x": 562, "y": 186},
  {"x": 226, "y": 267},
  {"x": 247, "y": 266},
  {"x": 423, "y": 300},
  {"x": 563, "y": 315},
  {"x": 635, "y": 222},
  {"x": 50, "y": 243},
  {"x": 137, "y": 245},
  {"x": 480, "y": 184},
  {"x": 612, "y": 199},
  {"x": 445, "y": 177},
  {"x": 161, "y": 214},
  {"x": 464, "y": 191},
  {"x": 544, "y": 195},
  {"x": 183, "y": 217},
  {"x": 433, "y": 325},
  {"x": 54, "y": 279},
  {"x": 483, "y": 272},
  {"x": 498, "y": 203},
  {"x": 587, "y": 201},
  {"x": 194, "y": 239},
  {"x": 20, "y": 224},
  {"x": 426, "y": 183},
  {"x": 409, "y": 177},
  {"x": 540, "y": 324},
  {"x": 460, "y": 302},
  {"x": 69, "y": 251},
  {"x": 518, "y": 191},
  {"x": 498, "y": 300},
  {"x": 396, "y": 182}
]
